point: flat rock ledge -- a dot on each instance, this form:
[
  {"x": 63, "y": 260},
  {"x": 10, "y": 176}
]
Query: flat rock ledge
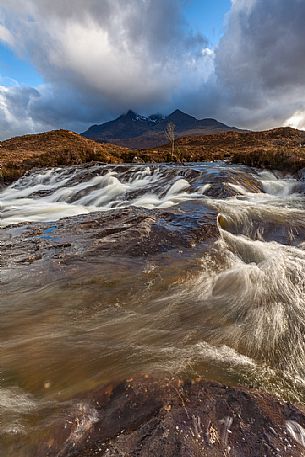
[{"x": 160, "y": 418}]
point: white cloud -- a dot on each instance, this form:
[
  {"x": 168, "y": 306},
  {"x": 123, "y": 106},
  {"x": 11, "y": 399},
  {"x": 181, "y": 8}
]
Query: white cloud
[
  {"x": 297, "y": 120},
  {"x": 6, "y": 36}
]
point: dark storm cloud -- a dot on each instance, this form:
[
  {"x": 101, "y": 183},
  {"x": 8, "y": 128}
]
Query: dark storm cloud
[
  {"x": 101, "y": 57},
  {"x": 15, "y": 110},
  {"x": 260, "y": 61},
  {"x": 271, "y": 35}
]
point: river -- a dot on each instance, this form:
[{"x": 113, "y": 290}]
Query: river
[{"x": 108, "y": 271}]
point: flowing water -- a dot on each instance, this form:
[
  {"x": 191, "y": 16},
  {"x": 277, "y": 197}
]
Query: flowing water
[{"x": 225, "y": 301}]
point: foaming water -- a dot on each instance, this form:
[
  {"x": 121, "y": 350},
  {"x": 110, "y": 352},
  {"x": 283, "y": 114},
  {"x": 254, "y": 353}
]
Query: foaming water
[
  {"x": 230, "y": 307},
  {"x": 277, "y": 186},
  {"x": 253, "y": 285},
  {"x": 275, "y": 214},
  {"x": 57, "y": 193},
  {"x": 259, "y": 301}
]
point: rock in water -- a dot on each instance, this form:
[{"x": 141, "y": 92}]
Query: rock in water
[
  {"x": 130, "y": 231},
  {"x": 147, "y": 417}
]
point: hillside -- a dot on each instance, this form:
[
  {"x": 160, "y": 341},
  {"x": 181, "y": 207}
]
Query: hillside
[
  {"x": 281, "y": 148},
  {"x": 55, "y": 148},
  {"x": 135, "y": 131}
]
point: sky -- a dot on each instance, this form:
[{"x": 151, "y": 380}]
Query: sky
[{"x": 73, "y": 63}]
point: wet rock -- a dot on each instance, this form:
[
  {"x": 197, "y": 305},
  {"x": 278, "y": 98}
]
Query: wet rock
[
  {"x": 221, "y": 190},
  {"x": 266, "y": 226},
  {"x": 301, "y": 174},
  {"x": 130, "y": 231},
  {"x": 229, "y": 183},
  {"x": 170, "y": 418}
]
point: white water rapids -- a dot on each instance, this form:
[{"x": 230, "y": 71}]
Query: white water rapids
[{"x": 50, "y": 195}]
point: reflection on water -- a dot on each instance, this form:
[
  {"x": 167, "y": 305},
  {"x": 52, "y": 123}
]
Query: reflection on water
[{"x": 231, "y": 310}]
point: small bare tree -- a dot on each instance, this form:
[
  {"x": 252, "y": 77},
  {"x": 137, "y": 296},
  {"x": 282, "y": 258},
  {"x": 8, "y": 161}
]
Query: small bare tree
[{"x": 170, "y": 135}]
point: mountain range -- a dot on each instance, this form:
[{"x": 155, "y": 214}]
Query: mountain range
[{"x": 137, "y": 132}]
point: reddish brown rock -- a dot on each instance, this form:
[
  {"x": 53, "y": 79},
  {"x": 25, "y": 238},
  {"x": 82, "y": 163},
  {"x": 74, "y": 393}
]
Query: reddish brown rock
[{"x": 170, "y": 418}]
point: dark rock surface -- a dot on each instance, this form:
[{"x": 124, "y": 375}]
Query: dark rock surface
[
  {"x": 170, "y": 418},
  {"x": 221, "y": 184},
  {"x": 130, "y": 231}
]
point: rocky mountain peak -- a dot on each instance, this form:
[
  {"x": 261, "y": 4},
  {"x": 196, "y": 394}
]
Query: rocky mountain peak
[{"x": 136, "y": 131}]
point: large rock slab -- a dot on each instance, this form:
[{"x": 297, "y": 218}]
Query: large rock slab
[
  {"x": 131, "y": 231},
  {"x": 147, "y": 417}
]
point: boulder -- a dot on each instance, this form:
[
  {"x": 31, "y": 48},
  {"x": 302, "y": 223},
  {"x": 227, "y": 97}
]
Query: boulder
[{"x": 147, "y": 417}]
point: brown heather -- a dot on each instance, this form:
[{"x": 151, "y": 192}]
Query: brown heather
[
  {"x": 56, "y": 148},
  {"x": 279, "y": 149}
]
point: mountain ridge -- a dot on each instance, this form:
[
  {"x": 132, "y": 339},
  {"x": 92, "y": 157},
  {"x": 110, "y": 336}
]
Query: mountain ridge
[{"x": 135, "y": 131}]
